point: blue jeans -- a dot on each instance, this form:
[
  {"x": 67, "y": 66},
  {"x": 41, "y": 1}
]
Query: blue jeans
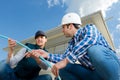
[
  {"x": 7, "y": 73},
  {"x": 105, "y": 61}
]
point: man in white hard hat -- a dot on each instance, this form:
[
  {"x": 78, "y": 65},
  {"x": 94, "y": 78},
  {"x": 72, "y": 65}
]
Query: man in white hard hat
[{"x": 87, "y": 46}]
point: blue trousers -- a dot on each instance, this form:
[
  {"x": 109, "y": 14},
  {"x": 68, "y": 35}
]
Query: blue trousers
[
  {"x": 105, "y": 61},
  {"x": 7, "y": 73}
]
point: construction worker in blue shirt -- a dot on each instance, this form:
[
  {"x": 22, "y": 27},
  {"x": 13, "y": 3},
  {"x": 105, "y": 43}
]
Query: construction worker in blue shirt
[{"x": 95, "y": 58}]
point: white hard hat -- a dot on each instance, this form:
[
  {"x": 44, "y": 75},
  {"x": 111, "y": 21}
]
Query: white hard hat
[{"x": 71, "y": 18}]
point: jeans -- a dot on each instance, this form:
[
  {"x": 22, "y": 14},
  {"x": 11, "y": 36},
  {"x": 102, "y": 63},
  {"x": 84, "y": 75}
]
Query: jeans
[
  {"x": 7, "y": 73},
  {"x": 105, "y": 61}
]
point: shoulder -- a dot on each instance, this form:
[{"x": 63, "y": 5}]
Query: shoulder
[
  {"x": 30, "y": 45},
  {"x": 90, "y": 27}
]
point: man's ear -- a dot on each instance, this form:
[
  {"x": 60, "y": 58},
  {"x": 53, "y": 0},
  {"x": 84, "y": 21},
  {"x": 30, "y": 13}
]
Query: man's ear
[
  {"x": 70, "y": 26},
  {"x": 46, "y": 39}
]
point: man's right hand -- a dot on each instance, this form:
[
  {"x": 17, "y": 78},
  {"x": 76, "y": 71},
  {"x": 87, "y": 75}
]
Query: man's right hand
[
  {"x": 37, "y": 53},
  {"x": 11, "y": 44},
  {"x": 41, "y": 52}
]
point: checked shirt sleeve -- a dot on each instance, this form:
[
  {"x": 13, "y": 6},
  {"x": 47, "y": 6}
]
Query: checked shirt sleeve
[
  {"x": 58, "y": 57},
  {"x": 90, "y": 36},
  {"x": 55, "y": 57}
]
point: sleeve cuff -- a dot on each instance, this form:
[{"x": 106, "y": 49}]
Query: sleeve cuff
[
  {"x": 72, "y": 59},
  {"x": 49, "y": 57}
]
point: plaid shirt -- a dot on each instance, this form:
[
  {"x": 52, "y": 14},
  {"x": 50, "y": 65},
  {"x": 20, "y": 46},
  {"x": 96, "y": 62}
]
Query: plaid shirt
[{"x": 78, "y": 45}]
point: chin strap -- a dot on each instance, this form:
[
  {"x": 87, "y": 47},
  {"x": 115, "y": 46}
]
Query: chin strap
[{"x": 46, "y": 62}]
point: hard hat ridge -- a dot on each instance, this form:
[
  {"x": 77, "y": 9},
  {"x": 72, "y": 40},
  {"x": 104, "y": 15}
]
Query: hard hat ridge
[{"x": 71, "y": 18}]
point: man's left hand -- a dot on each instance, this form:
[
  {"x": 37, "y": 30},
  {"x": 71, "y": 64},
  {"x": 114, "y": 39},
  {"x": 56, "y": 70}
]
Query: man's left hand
[{"x": 59, "y": 65}]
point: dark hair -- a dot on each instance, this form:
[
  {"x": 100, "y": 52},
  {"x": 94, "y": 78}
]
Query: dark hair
[
  {"x": 40, "y": 33},
  {"x": 77, "y": 26}
]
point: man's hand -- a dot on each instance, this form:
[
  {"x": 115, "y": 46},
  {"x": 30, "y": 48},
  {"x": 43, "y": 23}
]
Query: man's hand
[
  {"x": 11, "y": 43},
  {"x": 33, "y": 55},
  {"x": 59, "y": 65},
  {"x": 36, "y": 54},
  {"x": 41, "y": 52}
]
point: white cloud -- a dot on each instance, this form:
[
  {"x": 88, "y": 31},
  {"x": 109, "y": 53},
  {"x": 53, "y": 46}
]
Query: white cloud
[
  {"x": 118, "y": 19},
  {"x": 84, "y": 7},
  {"x": 52, "y": 3},
  {"x": 118, "y": 27},
  {"x": 118, "y": 50}
]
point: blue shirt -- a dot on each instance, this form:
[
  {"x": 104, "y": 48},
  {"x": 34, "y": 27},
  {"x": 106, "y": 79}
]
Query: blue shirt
[{"x": 77, "y": 48}]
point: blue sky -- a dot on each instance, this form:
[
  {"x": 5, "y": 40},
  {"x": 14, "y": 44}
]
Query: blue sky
[{"x": 20, "y": 19}]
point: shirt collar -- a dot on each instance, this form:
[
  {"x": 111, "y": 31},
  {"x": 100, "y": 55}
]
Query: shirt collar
[{"x": 77, "y": 33}]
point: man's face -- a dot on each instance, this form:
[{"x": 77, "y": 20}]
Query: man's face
[
  {"x": 66, "y": 30},
  {"x": 41, "y": 40}
]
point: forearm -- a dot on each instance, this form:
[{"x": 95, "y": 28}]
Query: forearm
[
  {"x": 10, "y": 54},
  {"x": 19, "y": 55},
  {"x": 55, "y": 57},
  {"x": 43, "y": 65}
]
